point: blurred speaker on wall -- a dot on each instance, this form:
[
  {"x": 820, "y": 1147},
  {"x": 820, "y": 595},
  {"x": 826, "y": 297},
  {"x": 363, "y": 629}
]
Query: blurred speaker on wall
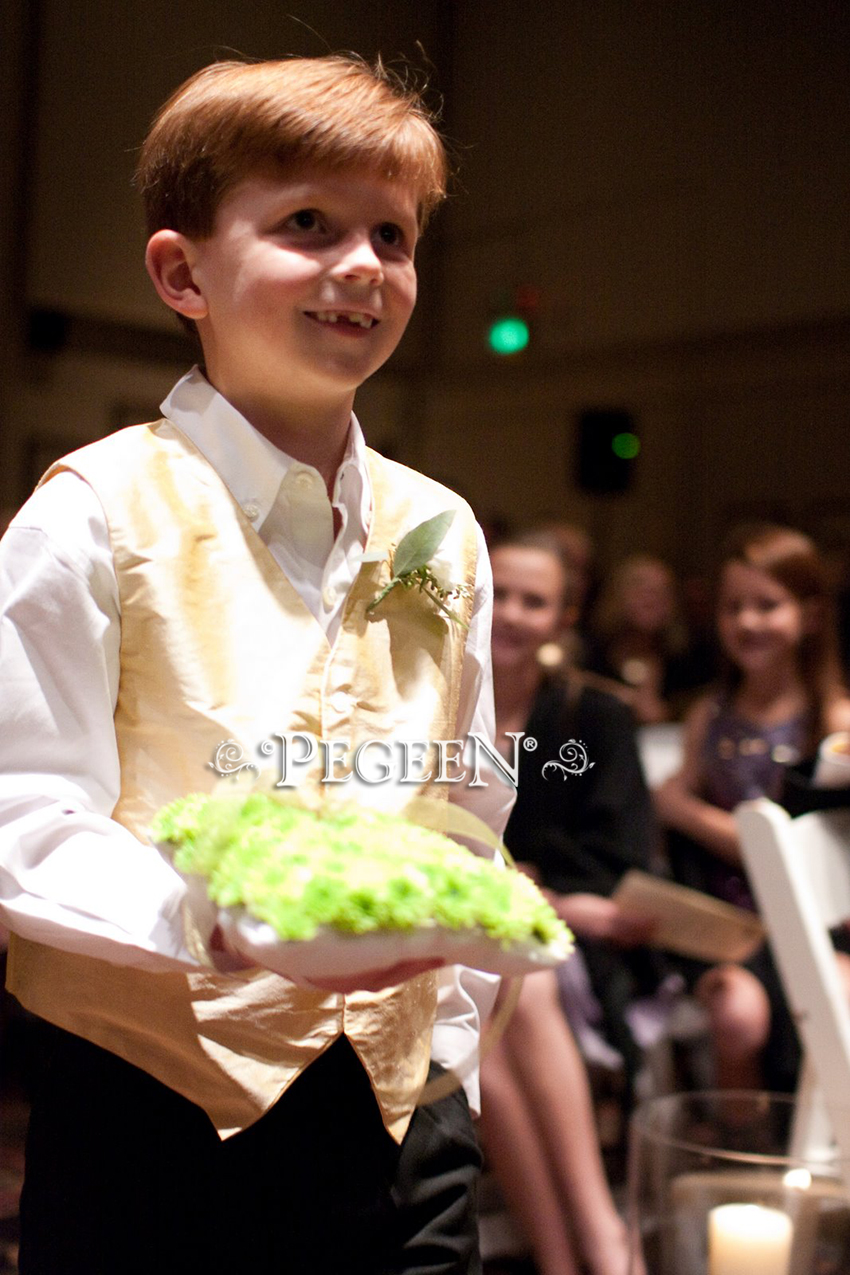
[{"x": 606, "y": 448}]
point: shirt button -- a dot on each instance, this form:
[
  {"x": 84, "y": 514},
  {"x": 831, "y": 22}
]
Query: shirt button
[
  {"x": 304, "y": 480},
  {"x": 329, "y": 595},
  {"x": 339, "y": 701},
  {"x": 252, "y": 510}
]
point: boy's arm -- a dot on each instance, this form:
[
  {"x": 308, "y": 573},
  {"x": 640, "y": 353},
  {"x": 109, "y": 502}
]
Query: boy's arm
[
  {"x": 466, "y": 996},
  {"x": 70, "y": 876}
]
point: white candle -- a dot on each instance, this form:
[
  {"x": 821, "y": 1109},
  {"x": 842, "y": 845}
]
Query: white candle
[{"x": 748, "y": 1239}]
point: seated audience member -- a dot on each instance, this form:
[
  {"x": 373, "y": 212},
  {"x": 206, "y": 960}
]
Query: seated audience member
[
  {"x": 582, "y": 817},
  {"x": 779, "y": 695},
  {"x": 640, "y": 642},
  {"x": 537, "y": 1128},
  {"x": 579, "y": 557},
  {"x": 582, "y": 821},
  {"x": 577, "y": 551}
]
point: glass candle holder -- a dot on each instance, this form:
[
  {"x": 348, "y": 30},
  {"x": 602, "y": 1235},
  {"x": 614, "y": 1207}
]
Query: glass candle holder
[{"x": 728, "y": 1183}]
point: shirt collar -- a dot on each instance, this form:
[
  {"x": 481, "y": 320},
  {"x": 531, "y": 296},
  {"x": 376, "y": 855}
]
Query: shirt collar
[{"x": 253, "y": 468}]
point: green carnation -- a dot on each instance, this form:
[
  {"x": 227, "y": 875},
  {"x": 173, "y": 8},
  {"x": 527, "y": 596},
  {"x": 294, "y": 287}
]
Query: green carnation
[{"x": 356, "y": 871}]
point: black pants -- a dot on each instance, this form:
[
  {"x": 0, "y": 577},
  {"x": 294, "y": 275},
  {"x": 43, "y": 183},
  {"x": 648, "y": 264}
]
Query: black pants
[{"x": 125, "y": 1177}]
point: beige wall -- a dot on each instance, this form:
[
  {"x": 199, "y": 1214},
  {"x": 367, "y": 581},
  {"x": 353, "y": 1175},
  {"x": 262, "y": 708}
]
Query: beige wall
[
  {"x": 732, "y": 428},
  {"x": 673, "y": 178},
  {"x": 105, "y": 69},
  {"x": 656, "y": 169},
  {"x": 674, "y": 181}
]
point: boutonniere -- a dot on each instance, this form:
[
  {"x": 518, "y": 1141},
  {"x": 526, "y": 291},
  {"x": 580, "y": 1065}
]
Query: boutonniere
[{"x": 417, "y": 562}]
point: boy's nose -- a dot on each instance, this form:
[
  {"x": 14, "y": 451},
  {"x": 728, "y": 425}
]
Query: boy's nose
[{"x": 359, "y": 260}]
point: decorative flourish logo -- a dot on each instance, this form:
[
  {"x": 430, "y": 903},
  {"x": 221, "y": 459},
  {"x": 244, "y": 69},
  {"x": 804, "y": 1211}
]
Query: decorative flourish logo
[
  {"x": 229, "y": 759},
  {"x": 573, "y": 755}
]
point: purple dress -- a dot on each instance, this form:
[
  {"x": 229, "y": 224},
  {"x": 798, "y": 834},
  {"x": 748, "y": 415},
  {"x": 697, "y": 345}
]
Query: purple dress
[{"x": 742, "y": 760}]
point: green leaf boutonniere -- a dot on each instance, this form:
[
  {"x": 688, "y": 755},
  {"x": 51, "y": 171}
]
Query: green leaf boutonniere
[{"x": 417, "y": 562}]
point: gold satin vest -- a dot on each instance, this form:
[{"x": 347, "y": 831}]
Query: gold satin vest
[{"x": 216, "y": 644}]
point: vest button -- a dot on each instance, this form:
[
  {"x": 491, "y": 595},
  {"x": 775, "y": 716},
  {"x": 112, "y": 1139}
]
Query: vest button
[{"x": 339, "y": 701}]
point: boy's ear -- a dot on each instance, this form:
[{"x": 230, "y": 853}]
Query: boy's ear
[{"x": 169, "y": 259}]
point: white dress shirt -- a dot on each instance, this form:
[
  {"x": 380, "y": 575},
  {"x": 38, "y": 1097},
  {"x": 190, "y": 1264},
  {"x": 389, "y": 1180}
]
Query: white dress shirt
[{"x": 70, "y": 876}]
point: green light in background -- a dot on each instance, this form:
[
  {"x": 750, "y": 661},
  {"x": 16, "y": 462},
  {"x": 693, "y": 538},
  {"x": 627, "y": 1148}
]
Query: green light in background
[
  {"x": 508, "y": 335},
  {"x": 626, "y": 446}
]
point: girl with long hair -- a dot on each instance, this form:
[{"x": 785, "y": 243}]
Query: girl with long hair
[{"x": 779, "y": 694}]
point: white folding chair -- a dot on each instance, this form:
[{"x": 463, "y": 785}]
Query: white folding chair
[
  {"x": 800, "y": 873},
  {"x": 660, "y": 751}
]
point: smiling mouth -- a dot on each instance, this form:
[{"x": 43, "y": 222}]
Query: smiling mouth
[{"x": 344, "y": 318}]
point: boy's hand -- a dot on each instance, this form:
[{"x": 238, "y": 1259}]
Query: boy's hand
[
  {"x": 224, "y": 957},
  {"x": 227, "y": 960}
]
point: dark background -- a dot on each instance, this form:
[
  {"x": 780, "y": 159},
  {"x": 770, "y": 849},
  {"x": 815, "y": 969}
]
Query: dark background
[{"x": 668, "y": 181}]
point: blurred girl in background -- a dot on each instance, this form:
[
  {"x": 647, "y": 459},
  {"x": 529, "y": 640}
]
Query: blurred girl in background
[
  {"x": 640, "y": 641},
  {"x": 780, "y": 693}
]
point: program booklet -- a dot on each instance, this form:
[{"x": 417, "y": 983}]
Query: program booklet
[{"x": 688, "y": 922}]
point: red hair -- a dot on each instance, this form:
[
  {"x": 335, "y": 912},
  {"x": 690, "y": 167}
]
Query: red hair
[{"x": 233, "y": 120}]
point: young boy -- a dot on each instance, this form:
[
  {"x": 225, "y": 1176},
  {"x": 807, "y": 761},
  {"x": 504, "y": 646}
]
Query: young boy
[{"x": 203, "y": 579}]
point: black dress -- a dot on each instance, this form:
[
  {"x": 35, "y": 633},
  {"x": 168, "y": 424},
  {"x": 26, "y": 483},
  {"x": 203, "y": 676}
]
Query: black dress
[{"x": 584, "y": 828}]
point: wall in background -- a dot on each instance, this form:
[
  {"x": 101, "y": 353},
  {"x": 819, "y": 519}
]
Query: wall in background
[
  {"x": 656, "y": 169},
  {"x": 104, "y": 71},
  {"x": 731, "y": 429},
  {"x": 673, "y": 180}
]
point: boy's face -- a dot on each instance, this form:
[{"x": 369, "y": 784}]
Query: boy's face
[{"x": 307, "y": 282}]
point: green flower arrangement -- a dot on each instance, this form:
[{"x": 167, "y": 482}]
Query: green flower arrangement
[{"x": 352, "y": 870}]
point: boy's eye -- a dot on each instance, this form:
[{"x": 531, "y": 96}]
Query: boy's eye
[
  {"x": 304, "y": 219},
  {"x": 390, "y": 234}
]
